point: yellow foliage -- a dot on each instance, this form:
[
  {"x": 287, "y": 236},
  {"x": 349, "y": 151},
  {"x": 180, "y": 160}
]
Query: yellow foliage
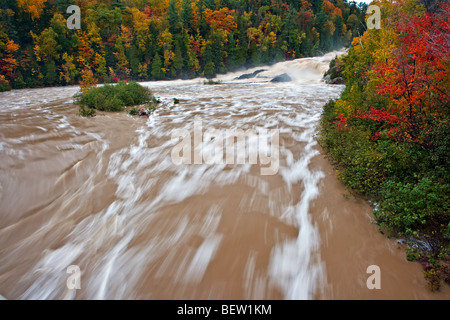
[
  {"x": 37, "y": 50},
  {"x": 168, "y": 58},
  {"x": 88, "y": 80},
  {"x": 68, "y": 68},
  {"x": 344, "y": 107}
]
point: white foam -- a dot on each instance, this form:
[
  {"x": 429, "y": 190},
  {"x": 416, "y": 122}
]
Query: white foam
[{"x": 201, "y": 259}]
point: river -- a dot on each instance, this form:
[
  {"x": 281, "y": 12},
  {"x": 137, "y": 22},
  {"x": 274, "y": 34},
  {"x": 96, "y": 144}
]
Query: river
[{"x": 105, "y": 195}]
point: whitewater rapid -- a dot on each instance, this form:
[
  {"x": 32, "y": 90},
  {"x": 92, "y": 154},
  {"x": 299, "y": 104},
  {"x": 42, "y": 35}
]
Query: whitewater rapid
[{"x": 104, "y": 196}]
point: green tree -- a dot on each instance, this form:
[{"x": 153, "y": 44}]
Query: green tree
[
  {"x": 173, "y": 17},
  {"x": 157, "y": 72},
  {"x": 186, "y": 15},
  {"x": 178, "y": 60}
]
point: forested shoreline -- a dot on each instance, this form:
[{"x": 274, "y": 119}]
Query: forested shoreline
[
  {"x": 163, "y": 39},
  {"x": 389, "y": 132}
]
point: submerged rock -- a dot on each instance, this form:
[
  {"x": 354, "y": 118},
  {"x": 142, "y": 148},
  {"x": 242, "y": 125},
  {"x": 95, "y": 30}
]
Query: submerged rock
[{"x": 282, "y": 78}]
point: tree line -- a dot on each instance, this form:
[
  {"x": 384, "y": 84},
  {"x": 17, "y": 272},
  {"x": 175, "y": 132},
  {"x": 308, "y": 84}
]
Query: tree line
[{"x": 163, "y": 39}]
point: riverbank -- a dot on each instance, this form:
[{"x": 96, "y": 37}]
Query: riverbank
[
  {"x": 351, "y": 242},
  {"x": 388, "y": 134}
]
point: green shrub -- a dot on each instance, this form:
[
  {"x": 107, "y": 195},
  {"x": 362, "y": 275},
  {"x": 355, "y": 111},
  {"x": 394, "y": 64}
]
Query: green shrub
[
  {"x": 156, "y": 100},
  {"x": 87, "y": 113},
  {"x": 133, "y": 111},
  {"x": 413, "y": 254},
  {"x": 114, "y": 98},
  {"x": 439, "y": 156},
  {"x": 4, "y": 85},
  {"x": 406, "y": 209},
  {"x": 433, "y": 276},
  {"x": 361, "y": 164},
  {"x": 114, "y": 104},
  {"x": 212, "y": 82}
]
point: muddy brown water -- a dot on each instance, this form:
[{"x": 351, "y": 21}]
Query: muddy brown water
[{"x": 104, "y": 195}]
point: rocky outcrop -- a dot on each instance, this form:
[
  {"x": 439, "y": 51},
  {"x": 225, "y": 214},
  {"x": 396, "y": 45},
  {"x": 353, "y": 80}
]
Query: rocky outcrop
[
  {"x": 250, "y": 75},
  {"x": 282, "y": 78},
  {"x": 333, "y": 75},
  {"x": 337, "y": 80}
]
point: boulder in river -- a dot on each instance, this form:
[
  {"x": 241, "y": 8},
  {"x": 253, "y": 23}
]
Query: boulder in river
[
  {"x": 250, "y": 75},
  {"x": 337, "y": 80},
  {"x": 282, "y": 78}
]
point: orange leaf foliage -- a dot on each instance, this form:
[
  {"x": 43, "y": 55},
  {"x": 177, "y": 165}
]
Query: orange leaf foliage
[
  {"x": 221, "y": 19},
  {"x": 33, "y": 7}
]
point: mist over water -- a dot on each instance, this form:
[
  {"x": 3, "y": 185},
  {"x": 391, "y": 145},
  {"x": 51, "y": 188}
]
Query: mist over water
[{"x": 104, "y": 194}]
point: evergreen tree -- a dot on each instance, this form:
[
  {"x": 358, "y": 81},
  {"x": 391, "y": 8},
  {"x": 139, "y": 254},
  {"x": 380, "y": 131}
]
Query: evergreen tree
[
  {"x": 186, "y": 15},
  {"x": 209, "y": 66},
  {"x": 178, "y": 61},
  {"x": 157, "y": 72},
  {"x": 173, "y": 17}
]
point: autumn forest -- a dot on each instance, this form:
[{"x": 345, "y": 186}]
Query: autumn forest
[{"x": 163, "y": 39}]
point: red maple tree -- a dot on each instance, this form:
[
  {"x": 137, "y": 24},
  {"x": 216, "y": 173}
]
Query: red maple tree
[{"x": 416, "y": 78}]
